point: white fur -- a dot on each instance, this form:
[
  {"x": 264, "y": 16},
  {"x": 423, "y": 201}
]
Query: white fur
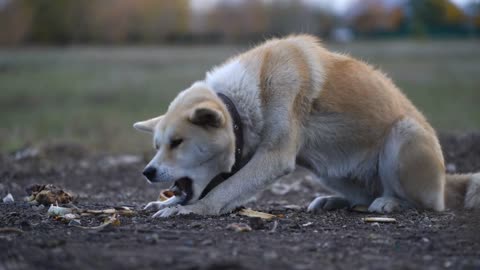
[{"x": 241, "y": 86}]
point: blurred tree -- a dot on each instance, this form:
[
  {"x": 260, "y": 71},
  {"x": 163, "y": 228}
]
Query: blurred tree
[
  {"x": 15, "y": 22},
  {"x": 375, "y": 17},
  {"x": 257, "y": 19},
  {"x": 50, "y": 20},
  {"x": 64, "y": 21},
  {"x": 237, "y": 20},
  {"x": 437, "y": 17}
]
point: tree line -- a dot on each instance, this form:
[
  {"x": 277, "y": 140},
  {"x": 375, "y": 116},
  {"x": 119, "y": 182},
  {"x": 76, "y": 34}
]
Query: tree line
[{"x": 155, "y": 21}]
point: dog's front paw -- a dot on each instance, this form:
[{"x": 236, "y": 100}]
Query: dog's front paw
[
  {"x": 384, "y": 205},
  {"x": 166, "y": 212}
]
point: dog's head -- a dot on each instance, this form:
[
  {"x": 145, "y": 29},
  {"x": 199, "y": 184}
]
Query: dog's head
[{"x": 194, "y": 139}]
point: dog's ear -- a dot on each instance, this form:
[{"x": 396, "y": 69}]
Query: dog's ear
[
  {"x": 207, "y": 115},
  {"x": 147, "y": 125}
]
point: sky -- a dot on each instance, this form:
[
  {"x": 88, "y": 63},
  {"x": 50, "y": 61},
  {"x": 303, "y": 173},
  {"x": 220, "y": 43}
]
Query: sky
[{"x": 338, "y": 6}]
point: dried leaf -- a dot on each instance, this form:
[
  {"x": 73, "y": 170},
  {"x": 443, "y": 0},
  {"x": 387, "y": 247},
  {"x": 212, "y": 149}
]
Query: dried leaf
[
  {"x": 292, "y": 207},
  {"x": 124, "y": 211},
  {"x": 379, "y": 219},
  {"x": 252, "y": 213},
  {"x": 360, "y": 209}
]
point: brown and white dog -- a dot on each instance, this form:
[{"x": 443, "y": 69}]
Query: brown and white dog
[{"x": 298, "y": 103}]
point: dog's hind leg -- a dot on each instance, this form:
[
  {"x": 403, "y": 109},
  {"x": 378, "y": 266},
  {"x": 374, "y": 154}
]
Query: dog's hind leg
[
  {"x": 411, "y": 169},
  {"x": 348, "y": 192}
]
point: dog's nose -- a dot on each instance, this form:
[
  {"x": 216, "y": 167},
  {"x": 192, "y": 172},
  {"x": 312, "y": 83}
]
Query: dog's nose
[{"x": 150, "y": 172}]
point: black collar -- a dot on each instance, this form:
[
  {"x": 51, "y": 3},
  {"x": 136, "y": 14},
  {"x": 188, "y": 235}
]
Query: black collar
[{"x": 238, "y": 131}]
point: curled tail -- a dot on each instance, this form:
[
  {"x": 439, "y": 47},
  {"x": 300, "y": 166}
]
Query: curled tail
[{"x": 463, "y": 191}]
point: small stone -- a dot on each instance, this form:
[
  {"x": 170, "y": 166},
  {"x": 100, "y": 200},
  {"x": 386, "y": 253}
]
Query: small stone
[
  {"x": 270, "y": 255},
  {"x": 196, "y": 226},
  {"x": 8, "y": 198},
  {"x": 451, "y": 168},
  {"x": 256, "y": 223},
  {"x": 206, "y": 242},
  {"x": 25, "y": 225},
  {"x": 427, "y": 257},
  {"x": 239, "y": 227},
  {"x": 375, "y": 224},
  {"x": 38, "y": 207},
  {"x": 74, "y": 222}
]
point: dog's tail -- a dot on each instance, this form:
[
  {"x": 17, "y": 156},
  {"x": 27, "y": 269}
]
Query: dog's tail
[{"x": 463, "y": 191}]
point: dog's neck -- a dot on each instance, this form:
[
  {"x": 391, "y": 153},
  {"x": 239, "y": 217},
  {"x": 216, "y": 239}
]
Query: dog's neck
[
  {"x": 237, "y": 127},
  {"x": 241, "y": 86}
]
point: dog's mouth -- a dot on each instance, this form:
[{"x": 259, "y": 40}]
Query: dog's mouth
[{"x": 181, "y": 189}]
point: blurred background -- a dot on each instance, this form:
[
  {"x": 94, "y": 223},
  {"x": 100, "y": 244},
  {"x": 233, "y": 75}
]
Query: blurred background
[{"x": 84, "y": 71}]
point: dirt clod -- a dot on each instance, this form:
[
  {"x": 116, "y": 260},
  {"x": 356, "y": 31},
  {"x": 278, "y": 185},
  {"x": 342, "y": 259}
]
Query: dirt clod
[{"x": 47, "y": 194}]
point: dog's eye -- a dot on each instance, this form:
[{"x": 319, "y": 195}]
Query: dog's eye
[{"x": 175, "y": 143}]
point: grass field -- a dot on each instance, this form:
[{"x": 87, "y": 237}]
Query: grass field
[{"x": 92, "y": 95}]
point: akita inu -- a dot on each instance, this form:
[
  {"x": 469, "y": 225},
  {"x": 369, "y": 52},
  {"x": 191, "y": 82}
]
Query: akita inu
[{"x": 287, "y": 102}]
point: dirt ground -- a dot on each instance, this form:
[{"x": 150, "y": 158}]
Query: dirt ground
[{"x": 296, "y": 240}]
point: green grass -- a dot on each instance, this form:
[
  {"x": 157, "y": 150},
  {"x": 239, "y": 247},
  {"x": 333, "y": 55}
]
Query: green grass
[{"x": 92, "y": 95}]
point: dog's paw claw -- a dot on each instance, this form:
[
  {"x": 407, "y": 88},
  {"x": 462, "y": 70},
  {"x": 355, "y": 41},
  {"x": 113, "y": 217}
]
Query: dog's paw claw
[{"x": 154, "y": 205}]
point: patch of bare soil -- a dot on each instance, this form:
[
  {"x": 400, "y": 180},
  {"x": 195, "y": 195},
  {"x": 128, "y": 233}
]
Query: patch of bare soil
[{"x": 30, "y": 239}]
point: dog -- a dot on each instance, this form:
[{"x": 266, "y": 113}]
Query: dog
[{"x": 296, "y": 103}]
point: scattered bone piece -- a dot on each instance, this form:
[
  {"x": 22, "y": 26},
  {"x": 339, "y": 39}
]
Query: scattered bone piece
[
  {"x": 107, "y": 211},
  {"x": 70, "y": 216},
  {"x": 252, "y": 213},
  {"x": 8, "y": 198},
  {"x": 379, "y": 219},
  {"x": 239, "y": 227},
  {"x": 165, "y": 195},
  {"x": 111, "y": 221},
  {"x": 307, "y": 224},
  {"x": 58, "y": 211}
]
